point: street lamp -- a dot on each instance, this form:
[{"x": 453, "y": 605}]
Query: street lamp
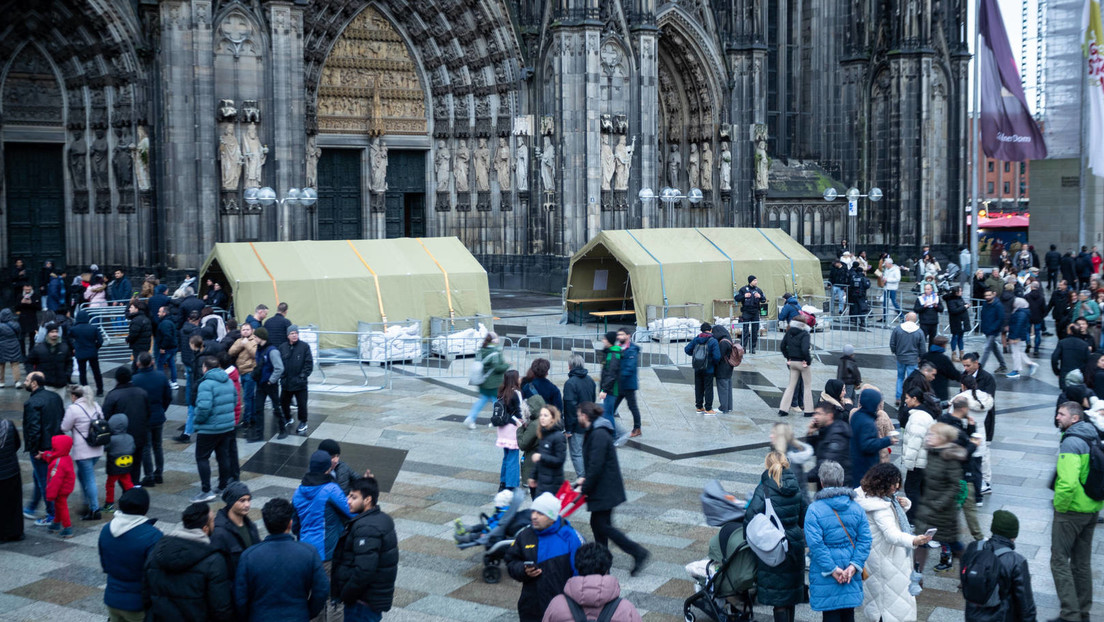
[
  {"x": 295, "y": 197},
  {"x": 853, "y": 195},
  {"x": 669, "y": 196}
]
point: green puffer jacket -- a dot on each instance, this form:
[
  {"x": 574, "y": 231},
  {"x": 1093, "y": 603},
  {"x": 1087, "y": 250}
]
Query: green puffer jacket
[
  {"x": 527, "y": 436},
  {"x": 784, "y": 584},
  {"x": 942, "y": 485},
  {"x": 1073, "y": 468},
  {"x": 498, "y": 366}
]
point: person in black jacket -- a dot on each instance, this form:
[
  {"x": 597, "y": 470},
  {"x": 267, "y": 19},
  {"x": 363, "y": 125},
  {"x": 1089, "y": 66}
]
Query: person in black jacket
[
  {"x": 1053, "y": 264},
  {"x": 298, "y": 365},
  {"x": 603, "y": 485},
  {"x": 796, "y": 349},
  {"x": 751, "y": 300},
  {"x": 1016, "y": 602},
  {"x": 278, "y": 326},
  {"x": 140, "y": 332},
  {"x": 921, "y": 378},
  {"x": 53, "y": 358},
  {"x": 133, "y": 402},
  {"x": 366, "y": 558},
  {"x": 945, "y": 371},
  {"x": 1059, "y": 308},
  {"x": 551, "y": 453},
  {"x": 234, "y": 531},
  {"x": 840, "y": 278},
  {"x": 159, "y": 395},
  {"x": 722, "y": 371},
  {"x": 958, "y": 313},
  {"x": 830, "y": 436},
  {"x": 781, "y": 586},
  {"x": 42, "y": 415},
  {"x": 167, "y": 341},
  {"x": 1036, "y": 304},
  {"x": 1066, "y": 264},
  {"x": 1071, "y": 353},
  {"x": 928, "y": 307},
  {"x": 87, "y": 341},
  {"x": 578, "y": 389},
  {"x": 186, "y": 578},
  {"x": 542, "y": 557}
]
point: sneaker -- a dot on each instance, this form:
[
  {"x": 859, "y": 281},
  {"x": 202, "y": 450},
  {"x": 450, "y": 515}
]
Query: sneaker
[
  {"x": 709, "y": 413},
  {"x": 218, "y": 490},
  {"x": 18, "y": 385},
  {"x": 66, "y": 533},
  {"x": 174, "y": 385},
  {"x": 95, "y": 515},
  {"x": 108, "y": 507},
  {"x": 1001, "y": 370},
  {"x": 783, "y": 413},
  {"x": 54, "y": 527},
  {"x": 204, "y": 497},
  {"x": 1012, "y": 374},
  {"x": 283, "y": 432},
  {"x": 44, "y": 522},
  {"x": 944, "y": 565},
  {"x": 182, "y": 438},
  {"x": 29, "y": 514},
  {"x": 147, "y": 482},
  {"x": 986, "y": 488},
  {"x": 471, "y": 425},
  {"x": 636, "y": 432},
  {"x": 302, "y": 428},
  {"x": 699, "y": 410},
  {"x": 1032, "y": 368},
  {"x": 979, "y": 503}
]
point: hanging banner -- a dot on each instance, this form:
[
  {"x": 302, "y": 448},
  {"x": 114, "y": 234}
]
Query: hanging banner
[
  {"x": 1008, "y": 132},
  {"x": 1094, "y": 63}
]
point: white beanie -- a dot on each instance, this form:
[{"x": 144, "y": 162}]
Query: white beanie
[
  {"x": 548, "y": 505},
  {"x": 503, "y": 498}
]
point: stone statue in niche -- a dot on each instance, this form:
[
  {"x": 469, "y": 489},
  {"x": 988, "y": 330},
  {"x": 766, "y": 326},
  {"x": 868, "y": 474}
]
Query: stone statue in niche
[
  {"x": 547, "y": 125},
  {"x": 255, "y": 155},
  {"x": 377, "y": 152},
  {"x": 78, "y": 152},
  {"x": 706, "y": 167},
  {"x": 230, "y": 158},
  {"x": 522, "y": 165},
  {"x": 482, "y": 157},
  {"x": 502, "y": 165},
  {"x": 726, "y": 167},
  {"x": 622, "y": 155},
  {"x": 99, "y": 161},
  {"x": 607, "y": 162},
  {"x": 692, "y": 164},
  {"x": 674, "y": 163},
  {"x": 547, "y": 155},
  {"x": 141, "y": 159},
  {"x": 124, "y": 159},
  {"x": 314, "y": 152},
  {"x": 460, "y": 167},
  {"x": 441, "y": 166},
  {"x": 762, "y": 162}
]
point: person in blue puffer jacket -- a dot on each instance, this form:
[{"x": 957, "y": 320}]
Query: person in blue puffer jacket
[
  {"x": 1019, "y": 328},
  {"x": 321, "y": 507},
  {"x": 124, "y": 545},
  {"x": 216, "y": 398},
  {"x": 865, "y": 442},
  {"x": 789, "y": 310},
  {"x": 838, "y": 536}
]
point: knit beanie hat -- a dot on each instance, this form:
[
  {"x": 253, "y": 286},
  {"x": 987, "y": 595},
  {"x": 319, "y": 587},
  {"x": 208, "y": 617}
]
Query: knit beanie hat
[
  {"x": 611, "y": 337},
  {"x": 750, "y": 279},
  {"x": 320, "y": 462},
  {"x": 1005, "y": 524},
  {"x": 848, "y": 350},
  {"x": 330, "y": 446},
  {"x": 261, "y": 333},
  {"x": 548, "y": 505},
  {"x": 294, "y": 328},
  {"x": 233, "y": 492},
  {"x": 503, "y": 498},
  {"x": 123, "y": 374},
  {"x": 135, "y": 501}
]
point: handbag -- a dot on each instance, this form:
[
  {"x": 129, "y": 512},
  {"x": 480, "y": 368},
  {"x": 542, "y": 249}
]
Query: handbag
[
  {"x": 767, "y": 537},
  {"x": 99, "y": 433},
  {"x": 865, "y": 572}
]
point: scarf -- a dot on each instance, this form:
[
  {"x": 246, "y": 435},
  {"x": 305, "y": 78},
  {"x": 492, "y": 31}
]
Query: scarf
[
  {"x": 899, "y": 513},
  {"x": 5, "y": 426},
  {"x": 929, "y": 299}
]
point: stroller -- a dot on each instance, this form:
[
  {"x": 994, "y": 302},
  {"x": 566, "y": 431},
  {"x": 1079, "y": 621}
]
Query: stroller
[
  {"x": 726, "y": 588},
  {"x": 497, "y": 539}
]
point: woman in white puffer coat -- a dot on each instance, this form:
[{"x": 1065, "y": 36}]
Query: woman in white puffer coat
[
  {"x": 888, "y": 592},
  {"x": 914, "y": 456}
]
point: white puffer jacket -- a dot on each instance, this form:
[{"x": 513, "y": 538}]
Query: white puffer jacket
[
  {"x": 914, "y": 454},
  {"x": 886, "y": 593},
  {"x": 979, "y": 406}
]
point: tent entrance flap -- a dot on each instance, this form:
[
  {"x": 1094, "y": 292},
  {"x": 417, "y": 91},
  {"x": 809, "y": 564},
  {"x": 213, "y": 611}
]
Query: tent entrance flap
[{"x": 598, "y": 282}]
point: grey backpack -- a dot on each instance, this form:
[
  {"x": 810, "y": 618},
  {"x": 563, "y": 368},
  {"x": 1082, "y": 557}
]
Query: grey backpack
[{"x": 766, "y": 536}]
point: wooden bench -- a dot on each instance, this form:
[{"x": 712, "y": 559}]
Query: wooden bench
[
  {"x": 579, "y": 302},
  {"x": 606, "y": 315}
]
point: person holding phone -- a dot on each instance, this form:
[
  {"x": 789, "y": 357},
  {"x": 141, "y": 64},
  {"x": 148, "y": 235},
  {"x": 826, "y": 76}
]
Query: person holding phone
[
  {"x": 541, "y": 557},
  {"x": 889, "y": 594}
]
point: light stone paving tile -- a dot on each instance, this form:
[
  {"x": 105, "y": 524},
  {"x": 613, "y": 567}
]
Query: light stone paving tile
[
  {"x": 18, "y": 562},
  {"x": 458, "y": 609},
  {"x": 42, "y": 612}
]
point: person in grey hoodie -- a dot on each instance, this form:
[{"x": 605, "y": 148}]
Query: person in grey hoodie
[
  {"x": 907, "y": 343},
  {"x": 578, "y": 389},
  {"x": 120, "y": 458}
]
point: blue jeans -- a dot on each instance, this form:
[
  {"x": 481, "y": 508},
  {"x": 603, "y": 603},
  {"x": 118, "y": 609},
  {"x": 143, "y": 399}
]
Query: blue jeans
[
  {"x": 957, "y": 343},
  {"x": 1039, "y": 328},
  {"x": 890, "y": 296},
  {"x": 168, "y": 361},
  {"x": 86, "y": 475},
  {"x": 189, "y": 424},
  {"x": 609, "y": 407},
  {"x": 359, "y": 612},
  {"x": 38, "y": 470},
  {"x": 480, "y": 402},
  {"x": 902, "y": 372},
  {"x": 839, "y": 299},
  {"x": 992, "y": 344},
  {"x": 510, "y": 473},
  {"x": 249, "y": 389},
  {"x": 575, "y": 448}
]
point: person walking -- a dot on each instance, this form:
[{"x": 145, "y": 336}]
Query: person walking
[
  {"x": 11, "y": 351},
  {"x": 298, "y": 365},
  {"x": 906, "y": 343},
  {"x": 159, "y": 396},
  {"x": 830, "y": 435},
  {"x": 945, "y": 371},
  {"x": 722, "y": 372},
  {"x": 1019, "y": 326},
  {"x": 628, "y": 382},
  {"x": 1036, "y": 304},
  {"x": 751, "y": 300},
  {"x": 888, "y": 592},
  {"x": 542, "y": 557},
  {"x": 186, "y": 577},
  {"x": 781, "y": 586},
  {"x": 551, "y": 453},
  {"x": 11, "y": 483},
  {"x": 42, "y": 415},
  {"x": 1011, "y": 576},
  {"x": 704, "y": 353},
  {"x": 593, "y": 589},
  {"x": 214, "y": 426},
  {"x": 578, "y": 389},
  {"x": 1059, "y": 308},
  {"x": 1075, "y": 515},
  {"x": 61, "y": 482},
  {"x": 939, "y": 507},
  {"x": 493, "y": 365},
  {"x": 866, "y": 443},
  {"x": 1053, "y": 266},
  {"x": 298, "y": 591},
  {"x": 366, "y": 558},
  {"x": 603, "y": 486},
  {"x": 839, "y": 541},
  {"x": 124, "y": 547},
  {"x": 796, "y": 349},
  {"x": 244, "y": 353},
  {"x": 78, "y": 418},
  {"x": 958, "y": 315},
  {"x": 166, "y": 339},
  {"x": 914, "y": 459},
  {"x": 891, "y": 275},
  {"x": 132, "y": 401},
  {"x": 928, "y": 307},
  {"x": 140, "y": 331},
  {"x": 992, "y": 325},
  {"x": 87, "y": 341},
  {"x": 267, "y": 373}
]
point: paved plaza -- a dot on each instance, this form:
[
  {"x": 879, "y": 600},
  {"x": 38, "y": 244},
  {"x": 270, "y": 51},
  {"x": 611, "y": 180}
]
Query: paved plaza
[{"x": 434, "y": 470}]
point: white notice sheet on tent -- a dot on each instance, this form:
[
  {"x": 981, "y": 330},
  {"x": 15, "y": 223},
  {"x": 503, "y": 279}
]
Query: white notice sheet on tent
[{"x": 601, "y": 279}]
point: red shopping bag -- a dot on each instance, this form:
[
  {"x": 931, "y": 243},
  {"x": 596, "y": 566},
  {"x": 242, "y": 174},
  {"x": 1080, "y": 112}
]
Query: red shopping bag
[{"x": 570, "y": 500}]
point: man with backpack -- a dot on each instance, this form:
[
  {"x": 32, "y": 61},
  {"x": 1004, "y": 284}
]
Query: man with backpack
[
  {"x": 995, "y": 580},
  {"x": 705, "y": 353},
  {"x": 751, "y": 300},
  {"x": 1078, "y": 498},
  {"x": 732, "y": 354}
]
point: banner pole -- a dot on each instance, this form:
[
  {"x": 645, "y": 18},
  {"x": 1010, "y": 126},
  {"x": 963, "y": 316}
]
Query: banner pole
[
  {"x": 1082, "y": 162},
  {"x": 975, "y": 145}
]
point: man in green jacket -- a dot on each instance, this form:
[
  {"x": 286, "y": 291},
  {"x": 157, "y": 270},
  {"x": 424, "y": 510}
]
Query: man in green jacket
[{"x": 1071, "y": 540}]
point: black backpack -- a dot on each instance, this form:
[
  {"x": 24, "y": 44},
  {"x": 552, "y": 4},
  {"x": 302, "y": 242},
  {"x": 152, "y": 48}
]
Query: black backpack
[
  {"x": 99, "y": 433},
  {"x": 499, "y": 415},
  {"x": 980, "y": 574},
  {"x": 1094, "y": 481},
  {"x": 580, "y": 616},
  {"x": 700, "y": 358}
]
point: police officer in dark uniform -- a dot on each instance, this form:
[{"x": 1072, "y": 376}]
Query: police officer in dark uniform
[{"x": 750, "y": 298}]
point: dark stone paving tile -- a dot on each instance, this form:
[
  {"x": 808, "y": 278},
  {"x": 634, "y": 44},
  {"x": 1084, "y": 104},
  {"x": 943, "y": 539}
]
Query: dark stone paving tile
[
  {"x": 432, "y": 469},
  {"x": 458, "y": 496},
  {"x": 503, "y": 594},
  {"x": 654, "y": 602},
  {"x": 293, "y": 460},
  {"x": 91, "y": 577},
  {"x": 54, "y": 591},
  {"x": 36, "y": 544}
]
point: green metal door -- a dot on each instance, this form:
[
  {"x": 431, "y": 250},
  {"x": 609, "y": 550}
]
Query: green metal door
[
  {"x": 339, "y": 199},
  {"x": 36, "y": 203},
  {"x": 405, "y": 198}
]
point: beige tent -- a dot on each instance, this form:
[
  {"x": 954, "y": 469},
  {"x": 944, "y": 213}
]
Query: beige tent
[
  {"x": 678, "y": 266},
  {"x": 336, "y": 284}
]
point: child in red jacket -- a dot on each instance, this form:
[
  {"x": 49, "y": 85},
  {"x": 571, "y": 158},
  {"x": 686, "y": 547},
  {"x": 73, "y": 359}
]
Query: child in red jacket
[{"x": 62, "y": 478}]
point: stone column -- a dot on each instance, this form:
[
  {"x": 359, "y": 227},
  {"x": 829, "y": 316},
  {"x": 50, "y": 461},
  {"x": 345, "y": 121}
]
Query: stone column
[
  {"x": 646, "y": 97},
  {"x": 288, "y": 155}
]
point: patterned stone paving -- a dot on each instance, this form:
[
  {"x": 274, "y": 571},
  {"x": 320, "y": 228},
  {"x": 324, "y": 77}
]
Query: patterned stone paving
[{"x": 437, "y": 471}]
